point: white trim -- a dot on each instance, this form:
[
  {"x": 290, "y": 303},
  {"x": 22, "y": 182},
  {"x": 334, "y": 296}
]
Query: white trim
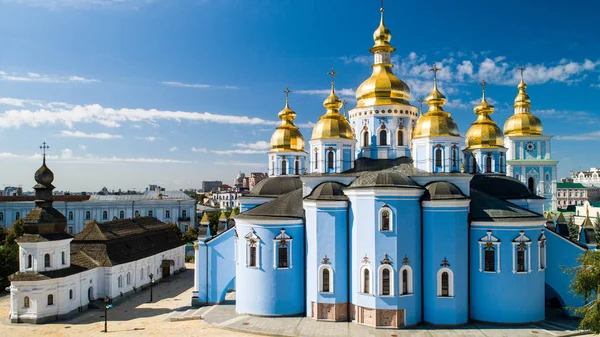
[
  {"x": 380, "y": 280},
  {"x": 496, "y": 242},
  {"x": 519, "y": 224},
  {"x": 325, "y": 204},
  {"x": 276, "y": 254},
  {"x": 415, "y": 191},
  {"x": 409, "y": 277},
  {"x": 362, "y": 279},
  {"x": 320, "y": 275},
  {"x": 542, "y": 257},
  {"x": 236, "y": 249},
  {"x": 522, "y": 238},
  {"x": 252, "y": 235},
  {"x": 391, "y": 219},
  {"x": 450, "y": 282},
  {"x": 447, "y": 203}
]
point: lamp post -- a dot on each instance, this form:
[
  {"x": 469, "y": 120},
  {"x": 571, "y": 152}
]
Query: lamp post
[
  {"x": 151, "y": 283},
  {"x": 106, "y": 306}
]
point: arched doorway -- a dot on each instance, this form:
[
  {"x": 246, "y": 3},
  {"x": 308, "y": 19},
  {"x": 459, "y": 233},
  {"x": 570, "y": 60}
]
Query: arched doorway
[
  {"x": 531, "y": 184},
  {"x": 90, "y": 294}
]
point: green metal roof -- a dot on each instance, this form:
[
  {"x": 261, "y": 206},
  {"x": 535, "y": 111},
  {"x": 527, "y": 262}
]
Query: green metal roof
[{"x": 569, "y": 185}]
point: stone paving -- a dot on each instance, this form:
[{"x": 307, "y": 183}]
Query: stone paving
[{"x": 224, "y": 316}]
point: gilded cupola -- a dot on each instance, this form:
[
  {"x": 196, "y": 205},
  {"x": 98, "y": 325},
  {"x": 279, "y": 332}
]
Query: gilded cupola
[
  {"x": 435, "y": 122},
  {"x": 522, "y": 122},
  {"x": 484, "y": 133},
  {"x": 332, "y": 124},
  {"x": 383, "y": 87},
  {"x": 287, "y": 136}
]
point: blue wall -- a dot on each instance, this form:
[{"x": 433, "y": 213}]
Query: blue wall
[
  {"x": 220, "y": 268},
  {"x": 445, "y": 236},
  {"x": 506, "y": 297},
  {"x": 266, "y": 290}
]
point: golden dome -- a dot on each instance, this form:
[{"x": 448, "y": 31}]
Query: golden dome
[
  {"x": 435, "y": 122},
  {"x": 484, "y": 133},
  {"x": 287, "y": 136},
  {"x": 523, "y": 122},
  {"x": 332, "y": 124},
  {"x": 383, "y": 87}
]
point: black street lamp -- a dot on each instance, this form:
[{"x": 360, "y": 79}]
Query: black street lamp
[
  {"x": 151, "y": 283},
  {"x": 107, "y": 304}
]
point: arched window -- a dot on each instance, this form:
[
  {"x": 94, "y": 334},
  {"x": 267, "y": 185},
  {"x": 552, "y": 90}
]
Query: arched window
[
  {"x": 542, "y": 251},
  {"x": 489, "y": 253},
  {"x": 128, "y": 278},
  {"x": 282, "y": 246},
  {"x": 70, "y": 215},
  {"x": 438, "y": 157},
  {"x": 386, "y": 282},
  {"x": 330, "y": 159},
  {"x": 473, "y": 164},
  {"x": 88, "y": 215},
  {"x": 454, "y": 157},
  {"x": 297, "y": 167},
  {"x": 385, "y": 219},
  {"x": 26, "y": 302},
  {"x": 104, "y": 215},
  {"x": 47, "y": 261},
  {"x": 17, "y": 215},
  {"x": 445, "y": 283},
  {"x": 325, "y": 279},
  {"x": 316, "y": 159},
  {"x": 501, "y": 162},
  {"x": 488, "y": 163},
  {"x": 518, "y": 177},
  {"x": 122, "y": 215},
  {"x": 400, "y": 137},
  {"x": 365, "y": 280},
  {"x": 283, "y": 167},
  {"x": 489, "y": 258},
  {"x": 531, "y": 184},
  {"x": 406, "y": 284},
  {"x": 50, "y": 299},
  {"x": 365, "y": 139},
  {"x": 63, "y": 257},
  {"x": 142, "y": 273},
  {"x": 70, "y": 294},
  {"x": 383, "y": 137},
  {"x": 29, "y": 261},
  {"x": 120, "y": 281},
  {"x": 272, "y": 167}
]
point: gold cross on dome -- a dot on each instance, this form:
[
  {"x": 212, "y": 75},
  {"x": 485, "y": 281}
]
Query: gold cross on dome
[
  {"x": 382, "y": 5},
  {"x": 287, "y": 92},
  {"x": 483, "y": 84},
  {"x": 521, "y": 69},
  {"x": 421, "y": 100},
  {"x": 435, "y": 69},
  {"x": 44, "y": 147},
  {"x": 332, "y": 73}
]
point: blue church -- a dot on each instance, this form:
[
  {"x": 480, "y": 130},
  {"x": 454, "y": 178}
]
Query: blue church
[{"x": 391, "y": 219}]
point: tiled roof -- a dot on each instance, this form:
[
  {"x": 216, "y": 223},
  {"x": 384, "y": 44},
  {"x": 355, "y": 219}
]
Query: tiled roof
[
  {"x": 46, "y": 275},
  {"x": 385, "y": 178},
  {"x": 485, "y": 207},
  {"x": 275, "y": 186},
  {"x": 288, "y": 206},
  {"x": 328, "y": 191},
  {"x": 502, "y": 187},
  {"x": 442, "y": 190}
]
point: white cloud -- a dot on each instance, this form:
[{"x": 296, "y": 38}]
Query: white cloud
[
  {"x": 31, "y": 103},
  {"x": 238, "y": 151},
  {"x": 109, "y": 117},
  {"x": 201, "y": 149},
  {"x": 82, "y": 147},
  {"x": 238, "y": 163},
  {"x": 198, "y": 86},
  {"x": 580, "y": 117},
  {"x": 585, "y": 136},
  {"x": 149, "y": 138},
  {"x": 79, "y": 134},
  {"x": 260, "y": 145},
  {"x": 345, "y": 93},
  {"x": 67, "y": 156},
  {"x": 34, "y": 77},
  {"x": 173, "y": 149}
]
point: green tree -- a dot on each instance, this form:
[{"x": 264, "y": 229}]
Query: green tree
[
  {"x": 191, "y": 235},
  {"x": 9, "y": 253},
  {"x": 586, "y": 283},
  {"x": 213, "y": 219},
  {"x": 573, "y": 230},
  {"x": 597, "y": 228},
  {"x": 175, "y": 228}
]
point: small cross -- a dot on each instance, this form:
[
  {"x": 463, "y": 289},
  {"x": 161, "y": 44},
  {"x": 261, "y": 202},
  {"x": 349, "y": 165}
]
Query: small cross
[
  {"x": 521, "y": 69},
  {"x": 435, "y": 69},
  {"x": 344, "y": 104},
  {"x": 381, "y": 6},
  {"x": 332, "y": 73},
  {"x": 421, "y": 100},
  {"x": 44, "y": 147},
  {"x": 287, "y": 92},
  {"x": 483, "y": 84}
]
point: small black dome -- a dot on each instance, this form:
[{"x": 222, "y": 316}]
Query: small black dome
[
  {"x": 44, "y": 175},
  {"x": 442, "y": 190},
  {"x": 329, "y": 190},
  {"x": 386, "y": 178},
  {"x": 275, "y": 186}
]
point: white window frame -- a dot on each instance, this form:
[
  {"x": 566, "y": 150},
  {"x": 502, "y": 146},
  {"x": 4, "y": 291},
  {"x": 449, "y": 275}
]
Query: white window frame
[
  {"x": 387, "y": 136},
  {"x": 321, "y": 268},
  {"x": 362, "y": 137},
  {"x": 450, "y": 282},
  {"x": 522, "y": 238},
  {"x": 380, "y": 280},
  {"x": 542, "y": 249},
  {"x": 128, "y": 277},
  {"x": 380, "y": 218},
  {"x": 409, "y": 286},
  {"x": 489, "y": 238},
  {"x": 252, "y": 236},
  {"x": 282, "y": 236},
  {"x": 362, "y": 280},
  {"x": 120, "y": 281}
]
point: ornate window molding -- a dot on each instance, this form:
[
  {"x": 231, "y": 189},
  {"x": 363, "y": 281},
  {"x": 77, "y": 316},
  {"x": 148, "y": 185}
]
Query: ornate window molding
[
  {"x": 282, "y": 244},
  {"x": 325, "y": 279},
  {"x": 445, "y": 282},
  {"x": 521, "y": 254},
  {"x": 406, "y": 281},
  {"x": 386, "y": 280},
  {"x": 489, "y": 243},
  {"x": 252, "y": 250},
  {"x": 542, "y": 251},
  {"x": 386, "y": 222}
]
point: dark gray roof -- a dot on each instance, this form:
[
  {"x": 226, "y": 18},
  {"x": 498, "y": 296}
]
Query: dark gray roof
[
  {"x": 43, "y": 237},
  {"x": 46, "y": 275},
  {"x": 502, "y": 187},
  {"x": 275, "y": 186},
  {"x": 385, "y": 178},
  {"x": 329, "y": 190},
  {"x": 287, "y": 206},
  {"x": 368, "y": 164},
  {"x": 485, "y": 207},
  {"x": 442, "y": 190}
]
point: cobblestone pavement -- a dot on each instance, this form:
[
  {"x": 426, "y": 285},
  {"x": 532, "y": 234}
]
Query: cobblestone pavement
[{"x": 133, "y": 316}]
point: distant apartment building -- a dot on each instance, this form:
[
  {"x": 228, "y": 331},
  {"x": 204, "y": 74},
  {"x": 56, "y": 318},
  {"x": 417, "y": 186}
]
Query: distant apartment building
[
  {"x": 572, "y": 193},
  {"x": 591, "y": 177},
  {"x": 208, "y": 186},
  {"x": 255, "y": 178},
  {"x": 11, "y": 191}
]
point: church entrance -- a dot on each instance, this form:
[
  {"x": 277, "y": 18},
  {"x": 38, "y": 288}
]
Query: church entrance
[
  {"x": 166, "y": 267},
  {"x": 531, "y": 184},
  {"x": 90, "y": 294}
]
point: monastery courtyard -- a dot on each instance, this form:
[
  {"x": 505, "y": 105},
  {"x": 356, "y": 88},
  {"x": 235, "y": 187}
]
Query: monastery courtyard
[{"x": 170, "y": 314}]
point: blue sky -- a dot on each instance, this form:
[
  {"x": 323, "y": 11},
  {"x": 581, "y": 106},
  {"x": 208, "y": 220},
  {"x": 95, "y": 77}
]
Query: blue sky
[{"x": 133, "y": 92}]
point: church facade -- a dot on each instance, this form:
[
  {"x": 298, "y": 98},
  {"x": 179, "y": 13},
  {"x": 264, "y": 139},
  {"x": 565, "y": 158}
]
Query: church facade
[{"x": 397, "y": 220}]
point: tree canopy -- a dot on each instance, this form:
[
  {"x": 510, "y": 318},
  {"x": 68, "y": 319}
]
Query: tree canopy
[
  {"x": 586, "y": 283},
  {"x": 9, "y": 253}
]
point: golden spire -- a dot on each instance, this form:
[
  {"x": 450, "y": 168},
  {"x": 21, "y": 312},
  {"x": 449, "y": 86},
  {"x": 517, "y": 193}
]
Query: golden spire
[
  {"x": 435, "y": 122},
  {"x": 484, "y": 133},
  {"x": 287, "y": 136},
  {"x": 332, "y": 124},
  {"x": 522, "y": 122},
  {"x": 382, "y": 36}
]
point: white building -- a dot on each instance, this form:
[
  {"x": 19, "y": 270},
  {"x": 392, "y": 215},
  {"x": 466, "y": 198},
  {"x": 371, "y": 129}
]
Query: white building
[
  {"x": 166, "y": 206},
  {"x": 587, "y": 177},
  {"x": 59, "y": 275}
]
